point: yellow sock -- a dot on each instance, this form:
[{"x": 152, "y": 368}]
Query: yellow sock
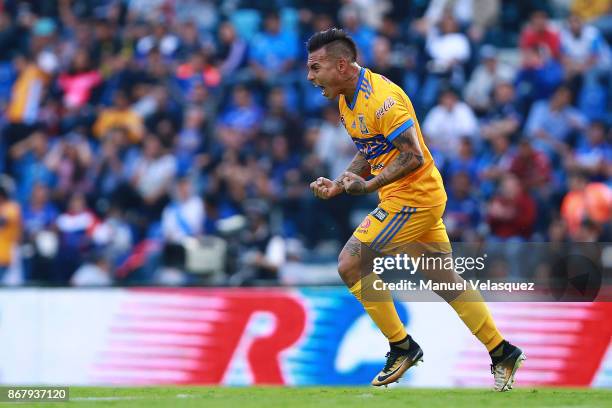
[
  {"x": 472, "y": 309},
  {"x": 379, "y": 306}
]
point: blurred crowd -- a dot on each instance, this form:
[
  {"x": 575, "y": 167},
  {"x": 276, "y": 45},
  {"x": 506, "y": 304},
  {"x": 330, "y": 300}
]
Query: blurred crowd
[{"x": 131, "y": 129}]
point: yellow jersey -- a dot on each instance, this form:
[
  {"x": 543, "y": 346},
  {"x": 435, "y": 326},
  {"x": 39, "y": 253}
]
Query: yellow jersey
[
  {"x": 10, "y": 230},
  {"x": 379, "y": 112}
]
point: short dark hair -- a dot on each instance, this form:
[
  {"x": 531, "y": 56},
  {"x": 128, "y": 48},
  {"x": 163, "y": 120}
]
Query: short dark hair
[{"x": 336, "y": 41}]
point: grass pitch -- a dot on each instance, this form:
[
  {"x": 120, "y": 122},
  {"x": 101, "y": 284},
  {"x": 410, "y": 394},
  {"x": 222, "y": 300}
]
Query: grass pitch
[{"x": 330, "y": 397}]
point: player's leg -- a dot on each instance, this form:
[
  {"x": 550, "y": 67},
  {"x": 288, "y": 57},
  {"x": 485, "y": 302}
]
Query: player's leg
[
  {"x": 470, "y": 307},
  {"x": 355, "y": 268},
  {"x": 377, "y": 303}
]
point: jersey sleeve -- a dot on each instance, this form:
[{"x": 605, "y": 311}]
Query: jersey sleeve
[{"x": 393, "y": 116}]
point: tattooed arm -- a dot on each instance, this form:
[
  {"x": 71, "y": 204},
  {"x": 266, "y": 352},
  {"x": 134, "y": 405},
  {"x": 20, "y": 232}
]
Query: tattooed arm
[
  {"x": 325, "y": 188},
  {"x": 410, "y": 159},
  {"x": 359, "y": 166}
]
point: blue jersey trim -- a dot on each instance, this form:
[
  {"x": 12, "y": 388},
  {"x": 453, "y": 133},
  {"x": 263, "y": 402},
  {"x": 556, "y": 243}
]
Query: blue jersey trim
[
  {"x": 373, "y": 147},
  {"x": 361, "y": 75},
  {"x": 400, "y": 129}
]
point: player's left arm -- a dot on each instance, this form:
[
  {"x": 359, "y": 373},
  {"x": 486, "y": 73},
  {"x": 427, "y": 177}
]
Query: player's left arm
[
  {"x": 409, "y": 160},
  {"x": 395, "y": 120}
]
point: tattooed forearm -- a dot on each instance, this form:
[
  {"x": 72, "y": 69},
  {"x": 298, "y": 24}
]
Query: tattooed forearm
[
  {"x": 359, "y": 165},
  {"x": 409, "y": 159}
]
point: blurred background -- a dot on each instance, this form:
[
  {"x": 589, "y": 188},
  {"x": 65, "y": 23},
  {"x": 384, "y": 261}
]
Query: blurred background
[
  {"x": 171, "y": 142},
  {"x": 149, "y": 144}
]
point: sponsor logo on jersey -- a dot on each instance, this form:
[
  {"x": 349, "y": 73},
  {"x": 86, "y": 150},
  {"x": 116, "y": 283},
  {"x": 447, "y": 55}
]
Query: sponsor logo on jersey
[
  {"x": 362, "y": 124},
  {"x": 378, "y": 166},
  {"x": 379, "y": 214},
  {"x": 387, "y": 104},
  {"x": 365, "y": 223}
]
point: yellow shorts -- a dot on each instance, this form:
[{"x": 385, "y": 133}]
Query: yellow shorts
[{"x": 391, "y": 228}]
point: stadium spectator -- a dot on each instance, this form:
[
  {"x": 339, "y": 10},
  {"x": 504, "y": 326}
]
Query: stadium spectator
[
  {"x": 540, "y": 34},
  {"x": 448, "y": 122},
  {"x": 191, "y": 140},
  {"x": 70, "y": 159},
  {"x": 537, "y": 78},
  {"x": 494, "y": 163},
  {"x": 597, "y": 12},
  {"x": 479, "y": 89},
  {"x": 263, "y": 253},
  {"x": 273, "y": 52},
  {"x": 39, "y": 216},
  {"x": 189, "y": 40},
  {"x": 26, "y": 97},
  {"x": 363, "y": 35},
  {"x": 161, "y": 39},
  {"x": 96, "y": 271},
  {"x": 30, "y": 166},
  {"x": 383, "y": 63},
  {"x": 532, "y": 167},
  {"x": 502, "y": 117},
  {"x": 75, "y": 227},
  {"x": 477, "y": 16},
  {"x": 585, "y": 202},
  {"x": 332, "y": 146},
  {"x": 244, "y": 115},
  {"x": 184, "y": 215},
  {"x": 182, "y": 218},
  {"x": 462, "y": 215},
  {"x": 590, "y": 9},
  {"x": 197, "y": 69},
  {"x": 448, "y": 50},
  {"x": 151, "y": 176},
  {"x": 120, "y": 101},
  {"x": 587, "y": 60},
  {"x": 78, "y": 82},
  {"x": 279, "y": 119},
  {"x": 593, "y": 154},
  {"x": 584, "y": 50},
  {"x": 10, "y": 229},
  {"x": 119, "y": 115},
  {"x": 465, "y": 161},
  {"x": 554, "y": 124},
  {"x": 232, "y": 53},
  {"x": 511, "y": 212}
]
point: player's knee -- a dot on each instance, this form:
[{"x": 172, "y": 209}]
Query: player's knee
[{"x": 348, "y": 268}]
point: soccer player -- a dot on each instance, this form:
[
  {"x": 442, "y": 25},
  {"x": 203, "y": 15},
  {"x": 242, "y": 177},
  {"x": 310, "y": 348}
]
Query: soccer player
[{"x": 380, "y": 119}]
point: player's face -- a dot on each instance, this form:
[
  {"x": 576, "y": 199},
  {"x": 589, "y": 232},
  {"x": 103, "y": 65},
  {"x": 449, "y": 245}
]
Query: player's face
[{"x": 323, "y": 72}]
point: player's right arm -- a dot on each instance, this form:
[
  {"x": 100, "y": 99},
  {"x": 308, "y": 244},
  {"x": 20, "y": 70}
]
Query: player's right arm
[{"x": 325, "y": 188}]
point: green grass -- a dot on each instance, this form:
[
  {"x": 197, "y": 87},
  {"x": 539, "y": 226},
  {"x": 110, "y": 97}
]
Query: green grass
[{"x": 329, "y": 397}]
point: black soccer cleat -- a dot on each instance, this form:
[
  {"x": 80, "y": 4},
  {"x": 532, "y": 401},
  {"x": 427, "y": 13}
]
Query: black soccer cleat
[{"x": 399, "y": 360}]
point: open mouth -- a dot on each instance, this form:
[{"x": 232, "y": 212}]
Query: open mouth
[{"x": 323, "y": 89}]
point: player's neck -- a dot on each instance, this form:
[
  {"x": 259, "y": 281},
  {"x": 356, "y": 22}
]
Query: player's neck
[{"x": 351, "y": 83}]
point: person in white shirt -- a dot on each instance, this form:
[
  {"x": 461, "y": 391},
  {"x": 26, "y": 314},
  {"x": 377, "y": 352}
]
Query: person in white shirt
[
  {"x": 448, "y": 122},
  {"x": 184, "y": 215},
  {"x": 478, "y": 92}
]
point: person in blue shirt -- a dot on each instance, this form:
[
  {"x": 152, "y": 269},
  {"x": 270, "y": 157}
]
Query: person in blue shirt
[{"x": 274, "y": 51}]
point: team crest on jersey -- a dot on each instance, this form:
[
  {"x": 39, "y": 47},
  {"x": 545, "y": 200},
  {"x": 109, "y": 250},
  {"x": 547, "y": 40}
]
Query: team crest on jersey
[
  {"x": 362, "y": 125},
  {"x": 387, "y": 104},
  {"x": 379, "y": 214}
]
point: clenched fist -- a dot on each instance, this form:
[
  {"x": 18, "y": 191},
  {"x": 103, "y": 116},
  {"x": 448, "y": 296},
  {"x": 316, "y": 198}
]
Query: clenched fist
[
  {"x": 325, "y": 188},
  {"x": 354, "y": 184}
]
